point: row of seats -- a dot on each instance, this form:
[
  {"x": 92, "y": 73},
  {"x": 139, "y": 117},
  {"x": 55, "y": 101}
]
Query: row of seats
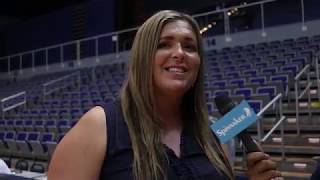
[
  {"x": 54, "y": 126},
  {"x": 246, "y": 92},
  {"x": 264, "y": 55},
  {"x": 34, "y": 145},
  {"x": 242, "y": 65}
]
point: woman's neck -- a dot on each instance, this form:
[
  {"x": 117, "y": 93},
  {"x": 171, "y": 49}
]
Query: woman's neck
[{"x": 169, "y": 111}]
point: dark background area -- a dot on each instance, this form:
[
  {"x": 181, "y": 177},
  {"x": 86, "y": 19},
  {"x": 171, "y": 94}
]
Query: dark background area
[{"x": 33, "y": 24}]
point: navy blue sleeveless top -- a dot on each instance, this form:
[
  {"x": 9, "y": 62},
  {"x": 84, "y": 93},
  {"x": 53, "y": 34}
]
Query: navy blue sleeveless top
[{"x": 192, "y": 165}]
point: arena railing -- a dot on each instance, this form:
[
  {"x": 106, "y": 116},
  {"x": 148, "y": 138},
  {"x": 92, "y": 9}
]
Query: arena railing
[
  {"x": 14, "y": 105},
  {"x": 201, "y": 17},
  {"x": 61, "y": 83},
  {"x": 316, "y": 59},
  {"x": 280, "y": 122},
  {"x": 299, "y": 95}
]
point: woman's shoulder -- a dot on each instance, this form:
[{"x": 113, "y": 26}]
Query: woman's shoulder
[
  {"x": 96, "y": 114},
  {"x": 91, "y": 124}
]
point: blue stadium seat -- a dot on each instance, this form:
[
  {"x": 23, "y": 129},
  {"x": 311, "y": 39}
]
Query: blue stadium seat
[
  {"x": 28, "y": 125},
  {"x": 44, "y": 148},
  {"x": 51, "y": 126},
  {"x": 222, "y": 92},
  {"x": 63, "y": 126},
  {"x": 250, "y": 72},
  {"x": 53, "y": 113},
  {"x": 39, "y": 125},
  {"x": 220, "y": 83},
  {"x": 75, "y": 113},
  {"x": 292, "y": 68},
  {"x": 24, "y": 150},
  {"x": 271, "y": 91},
  {"x": 214, "y": 69},
  {"x": 261, "y": 64},
  {"x": 64, "y": 113},
  {"x": 43, "y": 112},
  {"x": 18, "y": 125},
  {"x": 38, "y": 150},
  {"x": 232, "y": 74},
  {"x": 269, "y": 70},
  {"x": 261, "y": 80},
  {"x": 65, "y": 103},
  {"x": 256, "y": 105},
  {"x": 238, "y": 82},
  {"x": 75, "y": 102},
  {"x": 245, "y": 66},
  {"x": 284, "y": 79},
  {"x": 279, "y": 62},
  {"x": 302, "y": 61},
  {"x": 229, "y": 68},
  {"x": 2, "y": 125},
  {"x": 10, "y": 140},
  {"x": 246, "y": 92},
  {"x": 216, "y": 76},
  {"x": 9, "y": 125}
]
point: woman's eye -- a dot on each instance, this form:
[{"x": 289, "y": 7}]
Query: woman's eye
[
  {"x": 190, "y": 47},
  {"x": 163, "y": 45}
]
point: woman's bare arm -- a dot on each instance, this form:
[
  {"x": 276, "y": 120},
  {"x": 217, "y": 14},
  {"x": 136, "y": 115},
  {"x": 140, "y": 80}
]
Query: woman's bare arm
[{"x": 81, "y": 152}]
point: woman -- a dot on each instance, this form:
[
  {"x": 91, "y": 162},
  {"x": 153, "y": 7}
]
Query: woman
[{"x": 159, "y": 127}]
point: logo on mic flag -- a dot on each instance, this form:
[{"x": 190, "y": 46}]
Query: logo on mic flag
[{"x": 234, "y": 122}]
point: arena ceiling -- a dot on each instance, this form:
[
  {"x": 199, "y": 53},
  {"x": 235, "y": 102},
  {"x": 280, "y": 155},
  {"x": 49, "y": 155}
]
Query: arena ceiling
[
  {"x": 18, "y": 9},
  {"x": 31, "y": 8}
]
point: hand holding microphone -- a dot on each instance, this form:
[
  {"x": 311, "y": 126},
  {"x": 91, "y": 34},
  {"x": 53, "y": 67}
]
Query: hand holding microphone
[
  {"x": 261, "y": 167},
  {"x": 259, "y": 164}
]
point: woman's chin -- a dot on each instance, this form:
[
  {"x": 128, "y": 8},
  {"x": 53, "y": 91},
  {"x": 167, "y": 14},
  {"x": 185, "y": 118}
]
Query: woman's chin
[{"x": 178, "y": 89}]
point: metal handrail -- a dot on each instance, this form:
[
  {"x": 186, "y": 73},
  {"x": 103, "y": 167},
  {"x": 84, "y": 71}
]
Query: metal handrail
[
  {"x": 279, "y": 123},
  {"x": 297, "y": 77},
  {"x": 273, "y": 129},
  {"x": 317, "y": 73},
  {"x": 13, "y": 96},
  {"x": 3, "y": 109},
  {"x": 59, "y": 79},
  {"x": 264, "y": 109},
  {"x": 45, "y": 85},
  {"x": 298, "y": 96}
]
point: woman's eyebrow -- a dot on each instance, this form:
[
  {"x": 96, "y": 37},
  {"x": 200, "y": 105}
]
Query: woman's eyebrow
[{"x": 169, "y": 37}]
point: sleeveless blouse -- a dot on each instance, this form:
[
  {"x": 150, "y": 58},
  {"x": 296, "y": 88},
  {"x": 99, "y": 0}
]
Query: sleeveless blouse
[{"x": 192, "y": 165}]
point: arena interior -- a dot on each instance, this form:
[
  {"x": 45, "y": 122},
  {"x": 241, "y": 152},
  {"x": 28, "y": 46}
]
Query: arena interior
[{"x": 59, "y": 59}]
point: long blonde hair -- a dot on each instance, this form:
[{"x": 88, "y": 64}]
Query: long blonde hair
[{"x": 137, "y": 102}]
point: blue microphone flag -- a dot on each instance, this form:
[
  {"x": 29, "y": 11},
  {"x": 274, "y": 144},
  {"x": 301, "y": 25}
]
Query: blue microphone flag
[{"x": 234, "y": 122}]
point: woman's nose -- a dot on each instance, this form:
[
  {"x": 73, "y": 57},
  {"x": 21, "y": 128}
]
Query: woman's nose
[{"x": 178, "y": 52}]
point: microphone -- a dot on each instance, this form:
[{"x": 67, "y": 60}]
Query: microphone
[{"x": 224, "y": 105}]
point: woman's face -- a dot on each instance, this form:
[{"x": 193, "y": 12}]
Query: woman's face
[{"x": 176, "y": 63}]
